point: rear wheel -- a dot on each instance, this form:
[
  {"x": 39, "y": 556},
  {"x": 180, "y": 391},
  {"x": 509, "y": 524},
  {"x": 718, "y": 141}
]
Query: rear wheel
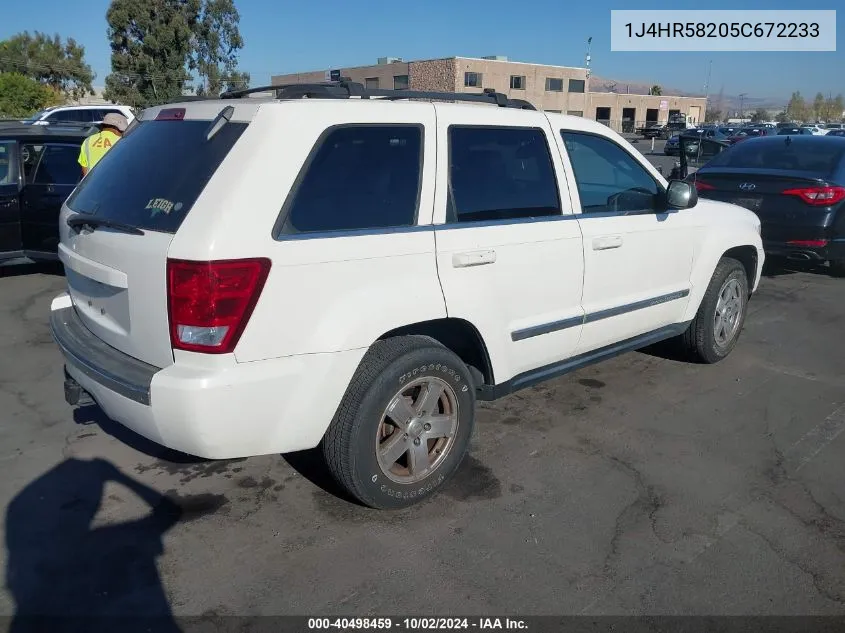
[
  {"x": 714, "y": 332},
  {"x": 837, "y": 267},
  {"x": 404, "y": 424}
]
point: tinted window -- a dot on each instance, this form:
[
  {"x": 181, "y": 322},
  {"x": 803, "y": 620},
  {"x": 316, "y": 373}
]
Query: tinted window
[
  {"x": 500, "y": 174},
  {"x": 7, "y": 174},
  {"x": 576, "y": 85},
  {"x": 554, "y": 85},
  {"x": 359, "y": 177},
  {"x": 609, "y": 179},
  {"x": 58, "y": 166},
  {"x": 152, "y": 177},
  {"x": 71, "y": 116},
  {"x": 101, "y": 114},
  {"x": 804, "y": 155}
]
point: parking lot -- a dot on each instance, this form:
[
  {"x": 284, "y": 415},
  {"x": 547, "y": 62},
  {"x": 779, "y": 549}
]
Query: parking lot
[{"x": 642, "y": 485}]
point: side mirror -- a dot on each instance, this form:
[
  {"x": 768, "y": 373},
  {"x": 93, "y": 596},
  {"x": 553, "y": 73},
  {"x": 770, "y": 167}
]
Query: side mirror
[{"x": 681, "y": 195}]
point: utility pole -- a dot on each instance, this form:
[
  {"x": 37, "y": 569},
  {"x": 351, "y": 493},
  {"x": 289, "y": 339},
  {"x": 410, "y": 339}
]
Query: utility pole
[
  {"x": 707, "y": 81},
  {"x": 741, "y": 101}
]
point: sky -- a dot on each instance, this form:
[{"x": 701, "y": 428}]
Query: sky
[{"x": 282, "y": 36}]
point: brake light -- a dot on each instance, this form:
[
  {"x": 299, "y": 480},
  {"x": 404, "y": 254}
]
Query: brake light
[
  {"x": 808, "y": 243},
  {"x": 171, "y": 114},
  {"x": 818, "y": 196},
  {"x": 700, "y": 185},
  {"x": 209, "y": 303}
]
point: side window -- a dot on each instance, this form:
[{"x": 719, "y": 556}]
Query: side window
[
  {"x": 609, "y": 179},
  {"x": 30, "y": 155},
  {"x": 358, "y": 177},
  {"x": 500, "y": 174},
  {"x": 58, "y": 166},
  {"x": 70, "y": 116}
]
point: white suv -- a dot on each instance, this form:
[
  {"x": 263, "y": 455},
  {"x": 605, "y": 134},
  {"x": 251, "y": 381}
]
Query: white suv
[
  {"x": 355, "y": 272},
  {"x": 79, "y": 114}
]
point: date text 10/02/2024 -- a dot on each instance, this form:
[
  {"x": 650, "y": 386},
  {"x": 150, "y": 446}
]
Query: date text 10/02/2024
[{"x": 416, "y": 624}]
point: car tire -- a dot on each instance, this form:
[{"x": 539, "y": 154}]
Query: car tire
[
  {"x": 837, "y": 268},
  {"x": 715, "y": 330},
  {"x": 383, "y": 447}
]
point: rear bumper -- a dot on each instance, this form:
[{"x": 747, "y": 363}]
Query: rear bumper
[
  {"x": 834, "y": 250},
  {"x": 218, "y": 411}
]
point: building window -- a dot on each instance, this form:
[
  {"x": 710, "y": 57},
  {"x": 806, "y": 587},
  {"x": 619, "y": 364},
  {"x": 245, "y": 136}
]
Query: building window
[
  {"x": 554, "y": 85},
  {"x": 517, "y": 82},
  {"x": 554, "y": 111},
  {"x": 371, "y": 82},
  {"x": 576, "y": 85},
  {"x": 575, "y": 112},
  {"x": 359, "y": 177},
  {"x": 500, "y": 174},
  {"x": 472, "y": 80},
  {"x": 400, "y": 82}
]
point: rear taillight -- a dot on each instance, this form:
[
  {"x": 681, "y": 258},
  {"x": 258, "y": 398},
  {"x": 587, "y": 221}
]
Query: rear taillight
[
  {"x": 209, "y": 303},
  {"x": 808, "y": 243},
  {"x": 700, "y": 185},
  {"x": 818, "y": 196},
  {"x": 171, "y": 114}
]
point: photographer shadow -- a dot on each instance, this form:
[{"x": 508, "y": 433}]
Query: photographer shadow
[{"x": 66, "y": 574}]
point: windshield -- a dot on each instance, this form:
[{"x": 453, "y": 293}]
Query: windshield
[
  {"x": 152, "y": 176},
  {"x": 37, "y": 115}
]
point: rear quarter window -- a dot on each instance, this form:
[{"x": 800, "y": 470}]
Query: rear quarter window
[{"x": 151, "y": 177}]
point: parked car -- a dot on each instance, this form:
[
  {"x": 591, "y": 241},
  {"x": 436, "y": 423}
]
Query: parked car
[
  {"x": 796, "y": 185},
  {"x": 816, "y": 130},
  {"x": 750, "y": 132},
  {"x": 38, "y": 170},
  {"x": 793, "y": 131},
  {"x": 79, "y": 114},
  {"x": 835, "y": 132},
  {"x": 403, "y": 259}
]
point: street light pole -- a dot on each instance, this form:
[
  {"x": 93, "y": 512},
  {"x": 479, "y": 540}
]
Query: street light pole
[{"x": 741, "y": 110}]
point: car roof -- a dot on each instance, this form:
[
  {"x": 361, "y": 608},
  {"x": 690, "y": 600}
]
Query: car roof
[
  {"x": 799, "y": 140},
  {"x": 43, "y": 132}
]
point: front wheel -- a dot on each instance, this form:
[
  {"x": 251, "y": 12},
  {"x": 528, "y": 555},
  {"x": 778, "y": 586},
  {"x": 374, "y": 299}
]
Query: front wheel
[
  {"x": 404, "y": 424},
  {"x": 714, "y": 332}
]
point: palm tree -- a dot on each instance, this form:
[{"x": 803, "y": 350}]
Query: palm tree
[{"x": 656, "y": 90}]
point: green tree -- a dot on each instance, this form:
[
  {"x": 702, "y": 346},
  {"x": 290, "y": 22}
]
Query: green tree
[
  {"x": 656, "y": 90},
  {"x": 818, "y": 106},
  {"x": 759, "y": 115},
  {"x": 48, "y": 60},
  {"x": 782, "y": 117},
  {"x": 22, "y": 96},
  {"x": 796, "y": 109},
  {"x": 838, "y": 108},
  {"x": 217, "y": 40},
  {"x": 150, "y": 43},
  {"x": 157, "y": 44}
]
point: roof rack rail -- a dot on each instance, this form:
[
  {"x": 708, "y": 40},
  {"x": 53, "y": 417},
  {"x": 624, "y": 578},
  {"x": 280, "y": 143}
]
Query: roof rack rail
[{"x": 346, "y": 89}]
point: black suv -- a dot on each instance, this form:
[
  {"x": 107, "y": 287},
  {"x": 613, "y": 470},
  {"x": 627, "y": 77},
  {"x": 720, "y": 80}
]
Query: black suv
[{"x": 38, "y": 171}]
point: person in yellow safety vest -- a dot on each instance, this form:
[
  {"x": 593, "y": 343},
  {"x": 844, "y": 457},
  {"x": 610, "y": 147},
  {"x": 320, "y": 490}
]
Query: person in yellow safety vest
[{"x": 95, "y": 146}]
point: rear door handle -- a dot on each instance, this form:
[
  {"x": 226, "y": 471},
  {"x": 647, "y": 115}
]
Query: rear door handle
[
  {"x": 473, "y": 258},
  {"x": 606, "y": 242}
]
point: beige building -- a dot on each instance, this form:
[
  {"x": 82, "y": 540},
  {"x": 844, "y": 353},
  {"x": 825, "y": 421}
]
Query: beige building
[{"x": 554, "y": 88}]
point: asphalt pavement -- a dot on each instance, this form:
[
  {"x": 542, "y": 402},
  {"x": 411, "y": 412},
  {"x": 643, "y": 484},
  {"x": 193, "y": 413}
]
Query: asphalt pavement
[{"x": 641, "y": 485}]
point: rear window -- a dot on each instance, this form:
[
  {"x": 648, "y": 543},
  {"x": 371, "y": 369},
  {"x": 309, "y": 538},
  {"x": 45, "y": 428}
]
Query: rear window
[
  {"x": 818, "y": 158},
  {"x": 151, "y": 178}
]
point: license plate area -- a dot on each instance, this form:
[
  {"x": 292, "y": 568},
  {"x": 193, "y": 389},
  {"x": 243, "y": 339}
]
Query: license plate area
[{"x": 750, "y": 203}]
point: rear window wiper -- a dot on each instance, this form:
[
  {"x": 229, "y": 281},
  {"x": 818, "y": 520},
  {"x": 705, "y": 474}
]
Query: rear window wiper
[{"x": 78, "y": 221}]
